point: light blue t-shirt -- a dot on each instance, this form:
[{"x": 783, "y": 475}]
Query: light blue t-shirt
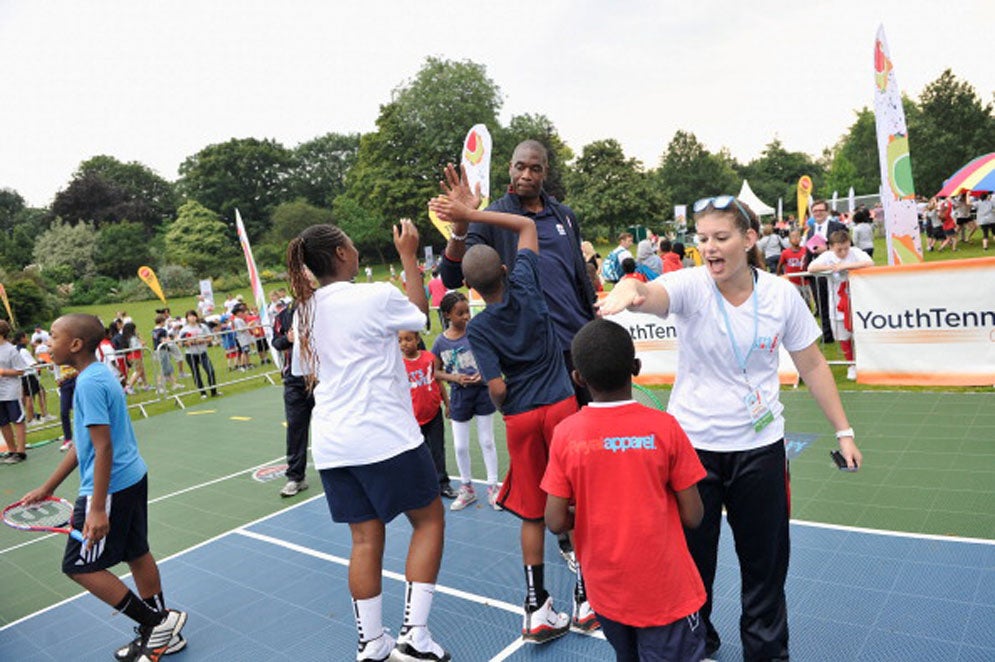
[{"x": 99, "y": 400}]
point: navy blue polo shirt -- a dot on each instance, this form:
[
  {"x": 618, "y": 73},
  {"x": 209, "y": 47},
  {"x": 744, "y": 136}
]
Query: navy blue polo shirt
[{"x": 516, "y": 339}]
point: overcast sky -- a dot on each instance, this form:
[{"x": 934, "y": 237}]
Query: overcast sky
[{"x": 156, "y": 81}]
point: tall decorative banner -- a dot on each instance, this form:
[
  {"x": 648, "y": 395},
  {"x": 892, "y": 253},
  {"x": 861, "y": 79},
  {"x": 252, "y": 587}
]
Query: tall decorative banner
[
  {"x": 898, "y": 196},
  {"x": 835, "y": 200},
  {"x": 804, "y": 193},
  {"x": 851, "y": 201},
  {"x": 780, "y": 208},
  {"x": 925, "y": 324},
  {"x": 207, "y": 291},
  {"x": 476, "y": 161},
  {"x": 149, "y": 278},
  {"x": 257, "y": 288},
  {"x": 6, "y": 304}
]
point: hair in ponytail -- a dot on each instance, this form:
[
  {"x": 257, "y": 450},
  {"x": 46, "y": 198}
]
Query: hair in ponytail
[{"x": 311, "y": 255}]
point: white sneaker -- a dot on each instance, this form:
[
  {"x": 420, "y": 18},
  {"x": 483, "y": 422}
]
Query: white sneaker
[
  {"x": 162, "y": 636},
  {"x": 466, "y": 496},
  {"x": 66, "y": 445},
  {"x": 376, "y": 650},
  {"x": 492, "y": 496},
  {"x": 851, "y": 373},
  {"x": 293, "y": 487},
  {"x": 417, "y": 644},
  {"x": 544, "y": 624},
  {"x": 584, "y": 619}
]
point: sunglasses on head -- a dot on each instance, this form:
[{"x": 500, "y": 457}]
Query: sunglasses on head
[{"x": 722, "y": 202}]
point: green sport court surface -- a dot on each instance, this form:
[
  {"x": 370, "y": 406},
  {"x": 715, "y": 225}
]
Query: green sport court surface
[{"x": 853, "y": 593}]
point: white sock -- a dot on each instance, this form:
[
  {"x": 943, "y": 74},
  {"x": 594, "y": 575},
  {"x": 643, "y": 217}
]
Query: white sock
[
  {"x": 461, "y": 444},
  {"x": 417, "y": 604},
  {"x": 369, "y": 617},
  {"x": 485, "y": 435}
]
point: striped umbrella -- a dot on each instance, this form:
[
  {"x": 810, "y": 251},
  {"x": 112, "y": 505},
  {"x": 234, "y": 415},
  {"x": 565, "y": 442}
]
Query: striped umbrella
[{"x": 978, "y": 175}]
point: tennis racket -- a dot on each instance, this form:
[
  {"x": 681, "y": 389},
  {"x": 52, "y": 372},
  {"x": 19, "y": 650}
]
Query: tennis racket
[
  {"x": 646, "y": 397},
  {"x": 51, "y": 515}
]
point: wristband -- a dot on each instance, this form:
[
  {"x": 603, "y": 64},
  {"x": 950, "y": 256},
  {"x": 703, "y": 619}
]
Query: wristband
[
  {"x": 844, "y": 433},
  {"x": 458, "y": 237}
]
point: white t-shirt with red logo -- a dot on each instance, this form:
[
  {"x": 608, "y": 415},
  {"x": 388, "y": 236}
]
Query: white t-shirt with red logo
[
  {"x": 709, "y": 393},
  {"x": 623, "y": 464},
  {"x": 362, "y": 403}
]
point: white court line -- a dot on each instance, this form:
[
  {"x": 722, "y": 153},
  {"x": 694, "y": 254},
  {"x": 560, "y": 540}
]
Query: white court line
[
  {"x": 894, "y": 534},
  {"x": 463, "y": 595},
  {"x": 168, "y": 558},
  {"x": 156, "y": 500}
]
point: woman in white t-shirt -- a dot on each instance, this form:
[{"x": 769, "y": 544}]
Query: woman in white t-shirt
[
  {"x": 731, "y": 318},
  {"x": 367, "y": 445}
]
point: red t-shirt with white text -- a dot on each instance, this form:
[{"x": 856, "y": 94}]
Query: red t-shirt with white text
[
  {"x": 623, "y": 465},
  {"x": 426, "y": 398}
]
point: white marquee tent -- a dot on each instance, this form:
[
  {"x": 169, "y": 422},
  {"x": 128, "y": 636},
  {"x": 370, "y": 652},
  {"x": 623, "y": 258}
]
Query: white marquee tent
[{"x": 747, "y": 195}]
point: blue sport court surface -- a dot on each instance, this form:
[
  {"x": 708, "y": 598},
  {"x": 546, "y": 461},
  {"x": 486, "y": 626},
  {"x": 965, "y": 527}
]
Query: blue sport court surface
[{"x": 275, "y": 589}]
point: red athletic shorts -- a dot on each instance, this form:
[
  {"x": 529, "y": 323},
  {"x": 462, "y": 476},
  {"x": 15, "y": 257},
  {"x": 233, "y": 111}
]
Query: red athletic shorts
[{"x": 529, "y": 435}]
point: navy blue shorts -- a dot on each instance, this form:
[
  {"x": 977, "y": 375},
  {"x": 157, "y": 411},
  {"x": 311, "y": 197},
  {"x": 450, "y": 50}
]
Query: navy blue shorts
[
  {"x": 382, "y": 490},
  {"x": 127, "y": 540},
  {"x": 466, "y": 402},
  {"x": 684, "y": 639},
  {"x": 11, "y": 411}
]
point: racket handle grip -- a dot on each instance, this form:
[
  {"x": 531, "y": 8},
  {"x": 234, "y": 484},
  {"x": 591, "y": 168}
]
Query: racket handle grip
[{"x": 77, "y": 535}]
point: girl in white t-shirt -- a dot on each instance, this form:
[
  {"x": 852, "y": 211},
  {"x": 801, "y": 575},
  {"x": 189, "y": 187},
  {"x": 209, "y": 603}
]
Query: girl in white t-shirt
[
  {"x": 731, "y": 318},
  {"x": 366, "y": 443},
  {"x": 838, "y": 262}
]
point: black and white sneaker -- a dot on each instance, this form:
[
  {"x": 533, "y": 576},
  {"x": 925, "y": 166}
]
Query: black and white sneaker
[
  {"x": 154, "y": 642},
  {"x": 130, "y": 651},
  {"x": 416, "y": 644},
  {"x": 376, "y": 650}
]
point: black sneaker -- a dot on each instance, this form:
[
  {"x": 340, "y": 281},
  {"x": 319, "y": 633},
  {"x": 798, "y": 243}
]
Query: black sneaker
[
  {"x": 448, "y": 492},
  {"x": 130, "y": 651}
]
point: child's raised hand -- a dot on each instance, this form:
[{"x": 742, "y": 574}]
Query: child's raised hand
[
  {"x": 406, "y": 237},
  {"x": 448, "y": 209},
  {"x": 455, "y": 187}
]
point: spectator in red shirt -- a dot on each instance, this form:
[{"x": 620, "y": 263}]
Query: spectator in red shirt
[{"x": 793, "y": 261}]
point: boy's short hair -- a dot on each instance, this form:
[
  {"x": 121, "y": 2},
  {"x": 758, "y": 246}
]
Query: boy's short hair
[
  {"x": 622, "y": 236},
  {"x": 87, "y": 328},
  {"x": 482, "y": 269},
  {"x": 160, "y": 318},
  {"x": 665, "y": 246},
  {"x": 4, "y": 329},
  {"x": 628, "y": 266},
  {"x": 603, "y": 354},
  {"x": 839, "y": 237}
]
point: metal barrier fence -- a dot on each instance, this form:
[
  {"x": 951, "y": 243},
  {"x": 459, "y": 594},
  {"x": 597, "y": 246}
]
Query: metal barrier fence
[{"x": 146, "y": 380}]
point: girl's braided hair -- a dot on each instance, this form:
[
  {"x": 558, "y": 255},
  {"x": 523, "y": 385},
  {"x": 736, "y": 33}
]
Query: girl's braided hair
[{"x": 311, "y": 255}]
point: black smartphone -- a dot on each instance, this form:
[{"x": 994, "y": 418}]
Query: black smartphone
[{"x": 840, "y": 461}]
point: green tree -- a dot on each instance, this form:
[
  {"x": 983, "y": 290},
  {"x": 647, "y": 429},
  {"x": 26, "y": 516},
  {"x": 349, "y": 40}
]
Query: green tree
[
  {"x": 148, "y": 198},
  {"x": 530, "y": 127},
  {"x": 610, "y": 192},
  {"x": 67, "y": 244},
  {"x": 320, "y": 167},
  {"x": 399, "y": 165},
  {"x": 11, "y": 204},
  {"x": 17, "y": 250},
  {"x": 853, "y": 161},
  {"x": 199, "y": 240},
  {"x": 290, "y": 218},
  {"x": 245, "y": 173},
  {"x": 776, "y": 172},
  {"x": 368, "y": 232},
  {"x": 29, "y": 303},
  {"x": 951, "y": 127},
  {"x": 688, "y": 171},
  {"x": 120, "y": 249}
]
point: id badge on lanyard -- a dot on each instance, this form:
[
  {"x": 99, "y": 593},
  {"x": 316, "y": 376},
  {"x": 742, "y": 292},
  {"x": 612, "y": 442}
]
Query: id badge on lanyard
[{"x": 760, "y": 414}]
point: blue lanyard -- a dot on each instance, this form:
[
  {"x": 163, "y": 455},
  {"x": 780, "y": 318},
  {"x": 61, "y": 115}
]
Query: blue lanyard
[{"x": 740, "y": 359}]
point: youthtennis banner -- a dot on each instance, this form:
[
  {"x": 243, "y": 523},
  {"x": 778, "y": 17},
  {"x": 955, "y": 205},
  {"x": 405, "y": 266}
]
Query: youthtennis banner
[
  {"x": 476, "y": 161},
  {"x": 656, "y": 346},
  {"x": 257, "y": 288},
  {"x": 925, "y": 324},
  {"x": 898, "y": 197},
  {"x": 149, "y": 278}
]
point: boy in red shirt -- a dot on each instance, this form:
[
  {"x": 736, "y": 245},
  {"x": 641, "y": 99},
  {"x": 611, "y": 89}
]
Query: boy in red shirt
[
  {"x": 792, "y": 262},
  {"x": 633, "y": 475},
  {"x": 427, "y": 396}
]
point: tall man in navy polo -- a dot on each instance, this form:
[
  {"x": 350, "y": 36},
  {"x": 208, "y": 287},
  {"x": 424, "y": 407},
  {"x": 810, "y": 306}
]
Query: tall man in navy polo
[{"x": 565, "y": 284}]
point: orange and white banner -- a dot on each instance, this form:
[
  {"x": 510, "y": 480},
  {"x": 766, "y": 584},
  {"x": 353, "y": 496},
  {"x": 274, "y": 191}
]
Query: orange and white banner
[
  {"x": 655, "y": 339},
  {"x": 925, "y": 324},
  {"x": 6, "y": 304}
]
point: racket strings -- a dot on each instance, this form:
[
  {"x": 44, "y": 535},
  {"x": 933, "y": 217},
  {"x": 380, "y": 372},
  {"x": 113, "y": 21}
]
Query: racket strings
[{"x": 49, "y": 514}]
